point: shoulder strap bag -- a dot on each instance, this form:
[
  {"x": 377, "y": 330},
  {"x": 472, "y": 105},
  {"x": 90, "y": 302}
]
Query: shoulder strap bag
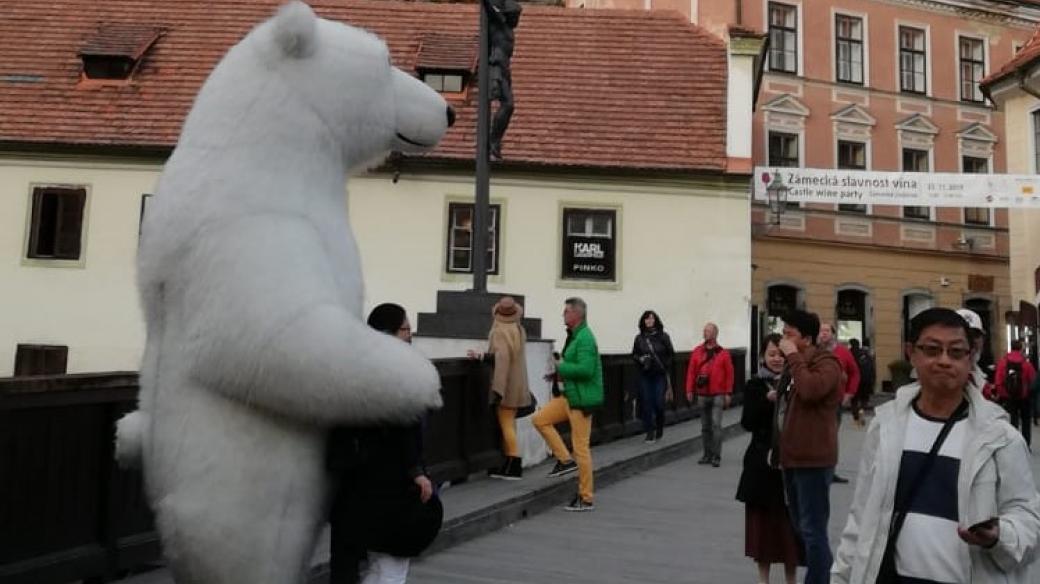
[{"x": 887, "y": 574}]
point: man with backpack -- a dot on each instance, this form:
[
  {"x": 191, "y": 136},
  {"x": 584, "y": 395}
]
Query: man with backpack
[
  {"x": 867, "y": 378},
  {"x": 1015, "y": 374}
]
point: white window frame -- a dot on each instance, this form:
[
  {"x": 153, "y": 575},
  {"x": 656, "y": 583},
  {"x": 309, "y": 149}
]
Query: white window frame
[
  {"x": 931, "y": 168},
  {"x": 957, "y": 63},
  {"x": 989, "y": 170},
  {"x": 868, "y": 154},
  {"x": 800, "y": 134},
  {"x": 928, "y": 69},
  {"x": 428, "y": 76},
  {"x": 801, "y": 147},
  {"x": 617, "y": 230},
  {"x": 835, "y": 12},
  {"x": 800, "y": 41},
  {"x": 449, "y": 275}
]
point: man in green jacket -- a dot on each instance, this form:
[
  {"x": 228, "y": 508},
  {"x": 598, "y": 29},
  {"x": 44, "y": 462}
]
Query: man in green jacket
[{"x": 580, "y": 372}]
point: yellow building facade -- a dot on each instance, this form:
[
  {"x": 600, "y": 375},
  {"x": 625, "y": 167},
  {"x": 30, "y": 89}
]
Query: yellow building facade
[{"x": 893, "y": 284}]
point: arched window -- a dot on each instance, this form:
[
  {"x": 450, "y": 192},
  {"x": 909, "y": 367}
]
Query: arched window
[
  {"x": 914, "y": 302},
  {"x": 780, "y": 299},
  {"x": 851, "y": 310}
]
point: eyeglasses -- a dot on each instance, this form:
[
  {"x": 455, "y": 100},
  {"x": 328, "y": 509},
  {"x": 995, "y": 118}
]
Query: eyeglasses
[{"x": 935, "y": 351}]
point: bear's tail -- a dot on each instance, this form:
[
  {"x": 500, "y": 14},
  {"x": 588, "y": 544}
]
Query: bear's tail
[{"x": 130, "y": 435}]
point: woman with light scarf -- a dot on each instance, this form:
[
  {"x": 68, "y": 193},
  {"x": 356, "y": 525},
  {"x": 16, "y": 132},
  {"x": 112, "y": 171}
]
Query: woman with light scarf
[
  {"x": 769, "y": 537},
  {"x": 509, "y": 389}
]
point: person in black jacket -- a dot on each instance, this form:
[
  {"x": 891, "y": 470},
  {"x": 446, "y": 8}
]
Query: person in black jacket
[
  {"x": 652, "y": 351},
  {"x": 769, "y": 537},
  {"x": 384, "y": 505},
  {"x": 867, "y": 378}
]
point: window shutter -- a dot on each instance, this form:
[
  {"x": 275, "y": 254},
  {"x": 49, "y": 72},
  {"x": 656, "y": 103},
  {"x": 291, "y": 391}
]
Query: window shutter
[
  {"x": 55, "y": 360},
  {"x": 24, "y": 361},
  {"x": 70, "y": 224},
  {"x": 41, "y": 360}
]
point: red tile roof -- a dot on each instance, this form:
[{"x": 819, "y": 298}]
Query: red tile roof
[
  {"x": 594, "y": 88},
  {"x": 121, "y": 40},
  {"x": 457, "y": 52},
  {"x": 1029, "y": 53}
]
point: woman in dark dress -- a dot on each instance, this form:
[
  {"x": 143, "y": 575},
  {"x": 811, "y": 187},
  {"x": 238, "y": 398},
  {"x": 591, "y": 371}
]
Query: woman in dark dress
[
  {"x": 769, "y": 537},
  {"x": 384, "y": 506}
]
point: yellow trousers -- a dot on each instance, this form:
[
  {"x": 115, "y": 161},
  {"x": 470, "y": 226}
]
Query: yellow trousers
[
  {"x": 507, "y": 424},
  {"x": 554, "y": 412}
]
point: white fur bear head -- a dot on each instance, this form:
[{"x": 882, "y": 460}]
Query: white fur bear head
[{"x": 335, "y": 80}]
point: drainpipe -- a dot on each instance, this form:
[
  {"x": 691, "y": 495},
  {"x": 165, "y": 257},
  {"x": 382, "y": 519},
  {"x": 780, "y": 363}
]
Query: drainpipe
[{"x": 740, "y": 12}]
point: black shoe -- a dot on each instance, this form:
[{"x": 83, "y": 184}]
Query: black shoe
[
  {"x": 512, "y": 470},
  {"x": 704, "y": 460},
  {"x": 650, "y": 439},
  {"x": 563, "y": 468},
  {"x": 660, "y": 433},
  {"x": 499, "y": 471},
  {"x": 716, "y": 462},
  {"x": 515, "y": 469},
  {"x": 577, "y": 504},
  {"x": 839, "y": 480}
]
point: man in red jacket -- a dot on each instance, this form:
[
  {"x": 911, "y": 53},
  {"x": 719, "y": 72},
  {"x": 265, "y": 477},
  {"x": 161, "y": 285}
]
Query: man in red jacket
[
  {"x": 1015, "y": 375},
  {"x": 710, "y": 376},
  {"x": 828, "y": 341}
]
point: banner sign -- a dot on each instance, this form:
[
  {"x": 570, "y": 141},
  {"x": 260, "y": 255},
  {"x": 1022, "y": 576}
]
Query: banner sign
[{"x": 916, "y": 189}]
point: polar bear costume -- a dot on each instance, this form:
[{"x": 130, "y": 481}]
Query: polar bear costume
[{"x": 251, "y": 285}]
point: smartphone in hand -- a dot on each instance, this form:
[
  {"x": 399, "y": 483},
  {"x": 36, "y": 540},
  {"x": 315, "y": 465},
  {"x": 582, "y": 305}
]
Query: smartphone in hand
[{"x": 987, "y": 524}]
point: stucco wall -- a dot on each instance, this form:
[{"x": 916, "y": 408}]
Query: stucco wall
[
  {"x": 91, "y": 305},
  {"x": 886, "y": 276},
  {"x": 1025, "y": 223},
  {"x": 684, "y": 250}
]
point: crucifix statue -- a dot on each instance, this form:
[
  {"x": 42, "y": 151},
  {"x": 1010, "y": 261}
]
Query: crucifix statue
[
  {"x": 498, "y": 19},
  {"x": 503, "y": 17}
]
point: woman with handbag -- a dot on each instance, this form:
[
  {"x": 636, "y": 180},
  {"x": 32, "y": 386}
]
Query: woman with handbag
[
  {"x": 384, "y": 506},
  {"x": 652, "y": 351},
  {"x": 769, "y": 537},
  {"x": 510, "y": 395}
]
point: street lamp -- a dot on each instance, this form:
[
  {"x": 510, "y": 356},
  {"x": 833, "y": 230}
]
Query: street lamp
[{"x": 776, "y": 193}]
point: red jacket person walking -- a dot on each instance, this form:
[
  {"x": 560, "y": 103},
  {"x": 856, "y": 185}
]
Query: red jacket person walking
[{"x": 710, "y": 376}]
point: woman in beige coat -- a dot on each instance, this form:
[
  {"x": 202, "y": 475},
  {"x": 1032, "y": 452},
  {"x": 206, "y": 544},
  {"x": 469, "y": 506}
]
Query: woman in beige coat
[{"x": 509, "y": 389}]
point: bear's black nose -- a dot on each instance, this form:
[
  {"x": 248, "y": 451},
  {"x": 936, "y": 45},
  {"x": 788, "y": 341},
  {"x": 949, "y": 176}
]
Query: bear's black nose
[{"x": 451, "y": 116}]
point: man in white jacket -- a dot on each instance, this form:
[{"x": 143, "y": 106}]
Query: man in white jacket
[{"x": 971, "y": 513}]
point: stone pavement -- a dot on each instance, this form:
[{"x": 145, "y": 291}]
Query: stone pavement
[
  {"x": 659, "y": 517},
  {"x": 483, "y": 505},
  {"x": 678, "y": 523}
]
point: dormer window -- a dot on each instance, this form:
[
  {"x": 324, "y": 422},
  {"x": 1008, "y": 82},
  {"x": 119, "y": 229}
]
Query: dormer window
[
  {"x": 107, "y": 67},
  {"x": 447, "y": 82},
  {"x": 447, "y": 62},
  {"x": 115, "y": 51}
]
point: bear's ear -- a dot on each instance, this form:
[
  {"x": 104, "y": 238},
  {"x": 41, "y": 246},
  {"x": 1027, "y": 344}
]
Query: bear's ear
[{"x": 296, "y": 30}]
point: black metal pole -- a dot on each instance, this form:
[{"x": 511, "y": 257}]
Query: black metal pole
[{"x": 480, "y": 207}]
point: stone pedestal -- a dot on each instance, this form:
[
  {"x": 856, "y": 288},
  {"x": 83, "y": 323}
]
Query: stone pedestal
[
  {"x": 467, "y": 315},
  {"x": 462, "y": 322}
]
